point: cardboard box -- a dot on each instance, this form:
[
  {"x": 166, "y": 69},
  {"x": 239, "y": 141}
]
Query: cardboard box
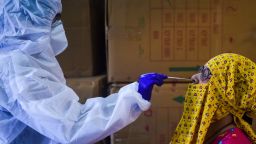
[
  {"x": 175, "y": 37},
  {"x": 88, "y": 87},
  {"x": 83, "y": 22},
  {"x": 156, "y": 125}
]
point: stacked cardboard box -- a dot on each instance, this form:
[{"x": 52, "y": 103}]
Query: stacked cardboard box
[
  {"x": 173, "y": 37},
  {"x": 156, "y": 125},
  {"x": 88, "y": 87},
  {"x": 83, "y": 22}
]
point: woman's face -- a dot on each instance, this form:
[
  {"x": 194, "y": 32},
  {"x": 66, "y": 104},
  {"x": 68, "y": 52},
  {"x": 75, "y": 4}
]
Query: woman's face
[{"x": 203, "y": 76}]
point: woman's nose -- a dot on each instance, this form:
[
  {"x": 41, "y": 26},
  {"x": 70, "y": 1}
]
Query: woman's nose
[{"x": 196, "y": 78}]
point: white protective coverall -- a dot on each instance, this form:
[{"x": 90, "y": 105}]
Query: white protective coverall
[{"x": 36, "y": 105}]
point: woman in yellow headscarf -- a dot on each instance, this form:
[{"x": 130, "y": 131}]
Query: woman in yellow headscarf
[{"x": 226, "y": 87}]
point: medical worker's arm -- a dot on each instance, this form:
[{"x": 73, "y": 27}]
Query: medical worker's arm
[
  {"x": 51, "y": 108},
  {"x": 33, "y": 83}
]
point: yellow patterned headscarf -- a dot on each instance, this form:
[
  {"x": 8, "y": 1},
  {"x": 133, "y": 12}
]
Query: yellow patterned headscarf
[{"x": 230, "y": 90}]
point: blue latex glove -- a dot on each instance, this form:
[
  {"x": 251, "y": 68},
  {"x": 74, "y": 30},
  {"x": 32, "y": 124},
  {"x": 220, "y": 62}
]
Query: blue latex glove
[{"x": 147, "y": 81}]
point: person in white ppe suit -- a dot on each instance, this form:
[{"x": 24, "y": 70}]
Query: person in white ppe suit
[{"x": 36, "y": 105}]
